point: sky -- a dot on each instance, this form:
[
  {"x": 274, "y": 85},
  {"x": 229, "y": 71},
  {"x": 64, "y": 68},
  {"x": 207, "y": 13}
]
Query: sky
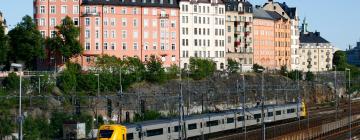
[{"x": 337, "y": 20}]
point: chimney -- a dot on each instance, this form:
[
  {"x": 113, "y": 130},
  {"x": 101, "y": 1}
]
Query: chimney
[{"x": 317, "y": 33}]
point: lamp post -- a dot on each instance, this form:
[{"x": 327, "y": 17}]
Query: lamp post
[
  {"x": 97, "y": 95},
  {"x": 350, "y": 118},
  {"x": 19, "y": 66},
  {"x": 262, "y": 104}
]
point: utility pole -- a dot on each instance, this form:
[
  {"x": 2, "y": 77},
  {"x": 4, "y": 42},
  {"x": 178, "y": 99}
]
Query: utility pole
[
  {"x": 350, "y": 118},
  {"x": 243, "y": 105},
  {"x": 19, "y": 66}
]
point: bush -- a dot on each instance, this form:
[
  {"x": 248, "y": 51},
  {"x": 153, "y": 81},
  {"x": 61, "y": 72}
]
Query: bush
[
  {"x": 201, "y": 68},
  {"x": 309, "y": 76},
  {"x": 232, "y": 66},
  {"x": 154, "y": 70},
  {"x": 256, "y": 68}
]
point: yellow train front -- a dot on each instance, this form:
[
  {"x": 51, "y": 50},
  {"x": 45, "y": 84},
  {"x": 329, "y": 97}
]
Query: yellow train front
[{"x": 112, "y": 132}]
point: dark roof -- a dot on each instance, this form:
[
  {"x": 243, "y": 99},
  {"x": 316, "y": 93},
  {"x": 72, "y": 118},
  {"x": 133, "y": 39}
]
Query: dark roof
[
  {"x": 145, "y": 3},
  {"x": 232, "y": 5},
  {"x": 262, "y": 14},
  {"x": 274, "y": 15},
  {"x": 290, "y": 11},
  {"x": 312, "y": 37}
]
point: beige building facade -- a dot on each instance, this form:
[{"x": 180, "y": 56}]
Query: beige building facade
[{"x": 239, "y": 33}]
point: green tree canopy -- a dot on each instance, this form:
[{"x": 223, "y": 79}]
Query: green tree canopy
[
  {"x": 66, "y": 39},
  {"x": 4, "y": 45},
  {"x": 256, "y": 68},
  {"x": 201, "y": 68},
  {"x": 233, "y": 66},
  {"x": 155, "y": 72},
  {"x": 26, "y": 43}
]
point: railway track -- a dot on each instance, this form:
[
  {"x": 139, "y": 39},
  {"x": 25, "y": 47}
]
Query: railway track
[{"x": 317, "y": 118}]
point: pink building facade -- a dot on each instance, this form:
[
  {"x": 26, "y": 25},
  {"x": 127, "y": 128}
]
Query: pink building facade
[{"x": 121, "y": 28}]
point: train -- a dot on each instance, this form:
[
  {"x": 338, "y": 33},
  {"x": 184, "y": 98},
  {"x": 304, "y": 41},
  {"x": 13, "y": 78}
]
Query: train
[{"x": 199, "y": 125}]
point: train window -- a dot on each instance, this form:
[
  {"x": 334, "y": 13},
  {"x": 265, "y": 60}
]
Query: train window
[
  {"x": 168, "y": 129},
  {"x": 270, "y": 114},
  {"x": 240, "y": 118},
  {"x": 130, "y": 136},
  {"x": 176, "y": 128},
  {"x": 192, "y": 126},
  {"x": 292, "y": 110},
  {"x": 278, "y": 113},
  {"x": 106, "y": 133},
  {"x": 257, "y": 116},
  {"x": 201, "y": 125},
  {"x": 154, "y": 132},
  {"x": 230, "y": 120},
  {"x": 212, "y": 123},
  {"x": 222, "y": 121}
]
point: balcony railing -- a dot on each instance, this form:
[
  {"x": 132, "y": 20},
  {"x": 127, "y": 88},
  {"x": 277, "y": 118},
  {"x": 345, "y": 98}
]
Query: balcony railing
[
  {"x": 90, "y": 14},
  {"x": 164, "y": 16}
]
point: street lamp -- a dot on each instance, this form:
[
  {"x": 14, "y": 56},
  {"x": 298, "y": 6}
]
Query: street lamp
[
  {"x": 262, "y": 102},
  {"x": 19, "y": 66},
  {"x": 348, "y": 89}
]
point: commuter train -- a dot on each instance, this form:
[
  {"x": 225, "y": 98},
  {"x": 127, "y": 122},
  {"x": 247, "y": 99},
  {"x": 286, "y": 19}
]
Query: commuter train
[{"x": 198, "y": 125}]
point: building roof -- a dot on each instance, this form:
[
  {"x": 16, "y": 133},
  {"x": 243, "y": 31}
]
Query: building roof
[
  {"x": 204, "y": 1},
  {"x": 232, "y": 5},
  {"x": 274, "y": 15},
  {"x": 262, "y": 14},
  {"x": 312, "y": 37},
  {"x": 145, "y": 3},
  {"x": 290, "y": 11}
]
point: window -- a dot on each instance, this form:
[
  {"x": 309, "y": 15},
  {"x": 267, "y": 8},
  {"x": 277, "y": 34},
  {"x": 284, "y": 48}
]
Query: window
[
  {"x": 173, "y": 35},
  {"x": 135, "y": 34},
  {"x": 112, "y": 9},
  {"x": 270, "y": 114},
  {"x": 105, "y": 46},
  {"x": 257, "y": 116},
  {"x": 229, "y": 120},
  {"x": 124, "y": 46},
  {"x": 212, "y": 123},
  {"x": 162, "y": 46},
  {"x": 42, "y": 9},
  {"x": 240, "y": 118},
  {"x": 52, "y": 9},
  {"x": 173, "y": 24},
  {"x": 173, "y": 58},
  {"x": 123, "y": 11},
  {"x": 113, "y": 46},
  {"x": 135, "y": 45},
  {"x": 87, "y": 46},
  {"x": 105, "y": 34},
  {"x": 97, "y": 21},
  {"x": 87, "y": 21},
  {"x": 52, "y": 21},
  {"x": 123, "y": 34},
  {"x": 135, "y": 22},
  {"x": 76, "y": 21},
  {"x": 163, "y": 58},
  {"x": 97, "y": 45},
  {"x": 146, "y": 34},
  {"x": 195, "y": 8},
  {"x": 146, "y": 46},
  {"x": 42, "y": 33},
  {"x": 176, "y": 128},
  {"x": 146, "y": 11},
  {"x": 192, "y": 126},
  {"x": 64, "y": 9},
  {"x": 75, "y": 9},
  {"x": 113, "y": 22},
  {"x": 154, "y": 22},
  {"x": 292, "y": 110},
  {"x": 87, "y": 33},
  {"x": 154, "y": 132},
  {"x": 134, "y": 11},
  {"x": 113, "y": 34},
  {"x": 278, "y": 112},
  {"x": 53, "y": 34},
  {"x": 123, "y": 22},
  {"x": 154, "y": 12},
  {"x": 97, "y": 34},
  {"x": 88, "y": 59}
]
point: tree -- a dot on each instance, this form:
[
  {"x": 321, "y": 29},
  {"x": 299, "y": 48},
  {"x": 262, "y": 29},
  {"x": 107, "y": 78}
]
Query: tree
[
  {"x": 6, "y": 123},
  {"x": 340, "y": 60},
  {"x": 257, "y": 67},
  {"x": 283, "y": 70},
  {"x": 4, "y": 45},
  {"x": 68, "y": 78},
  {"x": 36, "y": 128},
  {"x": 134, "y": 68},
  {"x": 309, "y": 76},
  {"x": 295, "y": 75},
  {"x": 173, "y": 71},
  {"x": 201, "y": 68},
  {"x": 56, "y": 123},
  {"x": 154, "y": 70},
  {"x": 66, "y": 39},
  {"x": 233, "y": 66},
  {"x": 11, "y": 82},
  {"x": 26, "y": 43}
]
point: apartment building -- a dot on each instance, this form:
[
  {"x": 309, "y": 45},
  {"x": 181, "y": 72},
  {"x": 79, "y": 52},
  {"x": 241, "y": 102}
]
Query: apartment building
[
  {"x": 202, "y": 31},
  {"x": 316, "y": 53},
  {"x": 121, "y": 28},
  {"x": 291, "y": 21},
  {"x": 264, "y": 39},
  {"x": 239, "y": 33},
  {"x": 353, "y": 55}
]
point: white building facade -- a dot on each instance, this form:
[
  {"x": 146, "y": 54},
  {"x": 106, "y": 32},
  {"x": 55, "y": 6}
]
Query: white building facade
[
  {"x": 202, "y": 31},
  {"x": 316, "y": 53},
  {"x": 3, "y": 22}
]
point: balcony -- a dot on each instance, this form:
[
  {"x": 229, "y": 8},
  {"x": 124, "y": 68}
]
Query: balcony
[
  {"x": 237, "y": 43},
  {"x": 247, "y": 23},
  {"x": 247, "y": 33},
  {"x": 236, "y": 23},
  {"x": 164, "y": 16},
  {"x": 87, "y": 14}
]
